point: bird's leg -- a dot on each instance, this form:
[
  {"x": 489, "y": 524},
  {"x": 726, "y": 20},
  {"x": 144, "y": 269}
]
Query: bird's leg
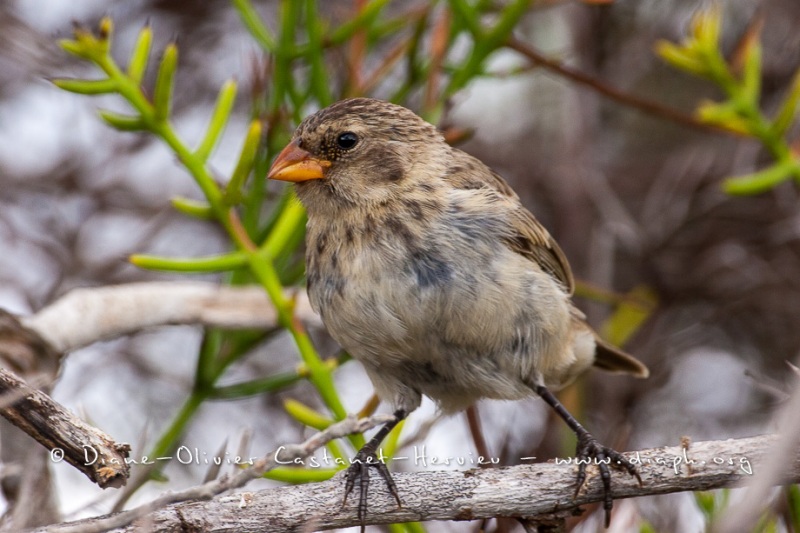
[
  {"x": 359, "y": 469},
  {"x": 589, "y": 448}
]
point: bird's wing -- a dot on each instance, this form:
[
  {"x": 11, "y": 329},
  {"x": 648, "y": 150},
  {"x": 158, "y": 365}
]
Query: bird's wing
[
  {"x": 526, "y": 236},
  {"x": 533, "y": 241}
]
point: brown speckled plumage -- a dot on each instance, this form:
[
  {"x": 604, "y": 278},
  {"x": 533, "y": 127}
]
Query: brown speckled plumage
[
  {"x": 425, "y": 266},
  {"x": 439, "y": 271}
]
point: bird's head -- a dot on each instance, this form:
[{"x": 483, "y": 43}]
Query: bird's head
[{"x": 360, "y": 152}]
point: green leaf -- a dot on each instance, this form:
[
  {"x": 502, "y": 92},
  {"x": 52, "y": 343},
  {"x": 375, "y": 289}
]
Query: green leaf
[
  {"x": 291, "y": 220},
  {"x": 389, "y": 445},
  {"x": 761, "y": 181},
  {"x": 706, "y": 25},
  {"x": 86, "y": 86},
  {"x": 407, "y": 527},
  {"x": 318, "y": 82},
  {"x": 706, "y": 502},
  {"x": 207, "y": 369},
  {"x": 509, "y": 18},
  {"x": 193, "y": 208},
  {"x": 751, "y": 78},
  {"x": 73, "y": 47},
  {"x": 87, "y": 45},
  {"x": 245, "y": 163},
  {"x": 682, "y": 58},
  {"x": 306, "y": 415},
  {"x": 793, "y": 501},
  {"x": 289, "y": 474},
  {"x": 140, "y": 55},
  {"x": 257, "y": 386},
  {"x": 106, "y": 29},
  {"x": 785, "y": 116},
  {"x": 252, "y": 21},
  {"x": 215, "y": 263},
  {"x": 482, "y": 48},
  {"x": 629, "y": 315},
  {"x": 122, "y": 122},
  {"x": 724, "y": 114},
  {"x": 469, "y": 15},
  {"x": 162, "y": 95},
  {"x": 646, "y": 527},
  {"x": 364, "y": 19},
  {"x": 219, "y": 118},
  {"x": 158, "y": 476}
]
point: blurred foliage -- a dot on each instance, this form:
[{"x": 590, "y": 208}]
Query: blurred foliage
[
  {"x": 782, "y": 515},
  {"x": 712, "y": 503},
  {"x": 740, "y": 80},
  {"x": 792, "y": 494}
]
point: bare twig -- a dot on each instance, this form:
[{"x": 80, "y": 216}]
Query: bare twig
[
  {"x": 68, "y": 437},
  {"x": 630, "y": 100},
  {"x": 475, "y": 429},
  {"x": 542, "y": 492}
]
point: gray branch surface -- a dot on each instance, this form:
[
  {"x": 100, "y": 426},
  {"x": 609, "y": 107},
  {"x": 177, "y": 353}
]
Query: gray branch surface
[
  {"x": 85, "y": 316},
  {"x": 541, "y": 492},
  {"x": 68, "y": 437}
]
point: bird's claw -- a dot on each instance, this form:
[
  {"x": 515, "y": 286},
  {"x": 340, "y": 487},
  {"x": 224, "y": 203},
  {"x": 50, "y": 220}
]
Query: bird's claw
[
  {"x": 359, "y": 470},
  {"x": 591, "y": 451}
]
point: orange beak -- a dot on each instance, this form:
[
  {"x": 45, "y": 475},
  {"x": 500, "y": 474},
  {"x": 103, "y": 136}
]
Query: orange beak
[{"x": 296, "y": 164}]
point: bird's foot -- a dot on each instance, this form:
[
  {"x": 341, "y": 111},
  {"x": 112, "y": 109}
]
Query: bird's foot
[
  {"x": 591, "y": 451},
  {"x": 359, "y": 470}
]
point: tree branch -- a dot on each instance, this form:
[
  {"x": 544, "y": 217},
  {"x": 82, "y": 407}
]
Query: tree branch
[
  {"x": 283, "y": 455},
  {"x": 643, "y": 104},
  {"x": 85, "y": 316},
  {"x": 67, "y": 437},
  {"x": 542, "y": 492}
]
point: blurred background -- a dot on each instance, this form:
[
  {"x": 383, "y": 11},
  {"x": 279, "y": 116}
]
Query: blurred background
[{"x": 635, "y": 200}]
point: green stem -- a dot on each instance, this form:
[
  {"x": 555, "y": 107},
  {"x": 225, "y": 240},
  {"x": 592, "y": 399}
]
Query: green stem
[
  {"x": 319, "y": 374},
  {"x": 254, "y": 24}
]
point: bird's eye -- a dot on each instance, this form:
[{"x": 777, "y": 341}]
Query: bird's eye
[{"x": 347, "y": 140}]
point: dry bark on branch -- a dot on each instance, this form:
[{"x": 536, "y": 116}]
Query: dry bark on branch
[
  {"x": 542, "y": 492},
  {"x": 85, "y": 316},
  {"x": 68, "y": 437}
]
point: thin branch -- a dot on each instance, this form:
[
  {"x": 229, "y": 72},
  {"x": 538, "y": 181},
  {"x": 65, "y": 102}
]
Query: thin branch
[
  {"x": 542, "y": 492},
  {"x": 85, "y": 316},
  {"x": 476, "y": 431},
  {"x": 68, "y": 437},
  {"x": 627, "y": 99}
]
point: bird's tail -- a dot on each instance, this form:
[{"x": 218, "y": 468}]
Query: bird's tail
[{"x": 612, "y": 359}]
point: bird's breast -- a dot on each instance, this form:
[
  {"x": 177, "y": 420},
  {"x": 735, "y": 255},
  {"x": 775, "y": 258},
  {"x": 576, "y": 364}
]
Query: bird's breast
[
  {"x": 448, "y": 310},
  {"x": 374, "y": 286}
]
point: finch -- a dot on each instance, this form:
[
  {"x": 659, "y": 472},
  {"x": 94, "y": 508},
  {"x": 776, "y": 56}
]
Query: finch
[{"x": 425, "y": 266}]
